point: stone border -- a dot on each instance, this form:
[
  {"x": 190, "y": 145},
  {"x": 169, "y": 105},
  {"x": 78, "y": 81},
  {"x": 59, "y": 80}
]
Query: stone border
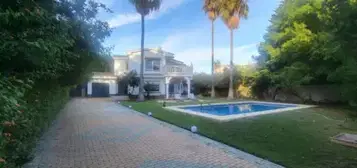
[
  {"x": 338, "y": 141},
  {"x": 236, "y": 116},
  {"x": 259, "y": 162}
]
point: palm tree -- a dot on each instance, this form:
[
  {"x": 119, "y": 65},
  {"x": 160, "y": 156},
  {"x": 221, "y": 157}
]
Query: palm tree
[
  {"x": 232, "y": 11},
  {"x": 144, "y": 7},
  {"x": 211, "y": 7}
]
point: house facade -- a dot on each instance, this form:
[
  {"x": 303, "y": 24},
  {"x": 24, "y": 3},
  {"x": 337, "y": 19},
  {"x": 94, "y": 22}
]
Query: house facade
[{"x": 168, "y": 77}]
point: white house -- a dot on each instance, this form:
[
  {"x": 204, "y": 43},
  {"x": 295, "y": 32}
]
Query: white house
[{"x": 169, "y": 76}]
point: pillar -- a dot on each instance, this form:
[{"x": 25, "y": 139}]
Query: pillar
[
  {"x": 188, "y": 86},
  {"x": 89, "y": 88},
  {"x": 167, "y": 90},
  {"x": 167, "y": 82}
]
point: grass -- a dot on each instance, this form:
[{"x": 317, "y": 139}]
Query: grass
[{"x": 293, "y": 139}]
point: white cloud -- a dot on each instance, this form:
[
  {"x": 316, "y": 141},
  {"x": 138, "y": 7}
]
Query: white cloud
[
  {"x": 201, "y": 57},
  {"x": 194, "y": 46},
  {"x": 181, "y": 39},
  {"x": 123, "y": 19},
  {"x": 128, "y": 18}
]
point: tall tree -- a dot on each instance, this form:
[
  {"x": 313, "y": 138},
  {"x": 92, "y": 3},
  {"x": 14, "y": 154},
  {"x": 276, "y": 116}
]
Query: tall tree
[
  {"x": 211, "y": 7},
  {"x": 144, "y": 7},
  {"x": 232, "y": 11},
  {"x": 311, "y": 42}
]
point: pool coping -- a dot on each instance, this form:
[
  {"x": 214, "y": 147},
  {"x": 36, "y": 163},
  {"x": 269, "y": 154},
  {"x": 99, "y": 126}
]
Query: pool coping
[{"x": 237, "y": 116}]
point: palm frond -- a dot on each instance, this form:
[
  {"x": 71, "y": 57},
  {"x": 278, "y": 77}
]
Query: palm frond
[
  {"x": 232, "y": 11},
  {"x": 211, "y": 7},
  {"x": 144, "y": 7}
]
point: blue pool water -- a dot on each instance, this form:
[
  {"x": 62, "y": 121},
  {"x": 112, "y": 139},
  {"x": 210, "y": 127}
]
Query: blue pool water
[{"x": 238, "y": 108}]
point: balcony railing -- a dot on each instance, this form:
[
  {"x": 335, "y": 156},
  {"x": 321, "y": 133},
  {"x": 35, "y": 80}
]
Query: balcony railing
[{"x": 178, "y": 70}]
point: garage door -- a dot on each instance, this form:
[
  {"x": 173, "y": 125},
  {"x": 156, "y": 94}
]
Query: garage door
[{"x": 100, "y": 90}]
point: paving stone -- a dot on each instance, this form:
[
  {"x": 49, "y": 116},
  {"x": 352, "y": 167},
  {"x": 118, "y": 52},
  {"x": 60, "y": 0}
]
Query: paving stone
[{"x": 99, "y": 133}]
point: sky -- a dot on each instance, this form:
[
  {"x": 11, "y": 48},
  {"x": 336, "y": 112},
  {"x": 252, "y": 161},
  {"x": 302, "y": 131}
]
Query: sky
[{"x": 183, "y": 28}]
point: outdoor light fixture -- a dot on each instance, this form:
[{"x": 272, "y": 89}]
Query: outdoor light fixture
[
  {"x": 129, "y": 106},
  {"x": 149, "y": 114},
  {"x": 194, "y": 129}
]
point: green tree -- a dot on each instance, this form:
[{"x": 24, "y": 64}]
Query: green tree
[
  {"x": 342, "y": 45},
  {"x": 311, "y": 42},
  {"x": 295, "y": 41},
  {"x": 149, "y": 87},
  {"x": 144, "y": 7},
  {"x": 57, "y": 46},
  {"x": 232, "y": 11},
  {"x": 211, "y": 7}
]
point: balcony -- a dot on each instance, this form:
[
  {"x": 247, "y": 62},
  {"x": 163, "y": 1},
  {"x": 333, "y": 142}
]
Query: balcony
[{"x": 177, "y": 70}]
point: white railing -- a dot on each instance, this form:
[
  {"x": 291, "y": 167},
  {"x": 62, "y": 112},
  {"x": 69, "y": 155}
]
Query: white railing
[{"x": 178, "y": 70}]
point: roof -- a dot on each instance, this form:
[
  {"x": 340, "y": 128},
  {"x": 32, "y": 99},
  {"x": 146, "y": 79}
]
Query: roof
[
  {"x": 151, "y": 49},
  {"x": 103, "y": 74},
  {"x": 120, "y": 57}
]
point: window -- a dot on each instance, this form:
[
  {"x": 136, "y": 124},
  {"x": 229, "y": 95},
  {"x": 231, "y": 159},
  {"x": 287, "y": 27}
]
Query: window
[
  {"x": 155, "y": 87},
  {"x": 152, "y": 87},
  {"x": 152, "y": 64}
]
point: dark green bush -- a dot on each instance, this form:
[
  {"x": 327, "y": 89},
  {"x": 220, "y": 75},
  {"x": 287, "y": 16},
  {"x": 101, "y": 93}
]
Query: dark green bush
[
  {"x": 47, "y": 47},
  {"x": 261, "y": 82},
  {"x": 24, "y": 116}
]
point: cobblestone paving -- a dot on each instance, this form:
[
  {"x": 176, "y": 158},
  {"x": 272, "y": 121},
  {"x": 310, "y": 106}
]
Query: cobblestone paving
[{"x": 100, "y": 133}]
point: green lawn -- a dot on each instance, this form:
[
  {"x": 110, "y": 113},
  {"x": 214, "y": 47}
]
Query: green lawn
[{"x": 293, "y": 139}]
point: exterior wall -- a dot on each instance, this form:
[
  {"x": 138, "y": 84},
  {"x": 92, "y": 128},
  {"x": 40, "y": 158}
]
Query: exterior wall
[
  {"x": 134, "y": 61},
  {"x": 120, "y": 66},
  {"x": 113, "y": 88},
  {"x": 311, "y": 93}
]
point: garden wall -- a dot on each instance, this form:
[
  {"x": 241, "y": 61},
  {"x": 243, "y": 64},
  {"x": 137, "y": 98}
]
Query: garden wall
[{"x": 305, "y": 94}]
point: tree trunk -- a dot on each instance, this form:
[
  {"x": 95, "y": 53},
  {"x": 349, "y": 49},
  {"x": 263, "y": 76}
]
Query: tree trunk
[
  {"x": 212, "y": 73},
  {"x": 230, "y": 92},
  {"x": 141, "y": 86}
]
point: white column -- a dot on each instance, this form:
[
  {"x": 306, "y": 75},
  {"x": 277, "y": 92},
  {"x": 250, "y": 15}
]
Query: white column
[
  {"x": 167, "y": 90},
  {"x": 167, "y": 82},
  {"x": 113, "y": 88},
  {"x": 188, "y": 86},
  {"x": 89, "y": 88},
  {"x": 181, "y": 87}
]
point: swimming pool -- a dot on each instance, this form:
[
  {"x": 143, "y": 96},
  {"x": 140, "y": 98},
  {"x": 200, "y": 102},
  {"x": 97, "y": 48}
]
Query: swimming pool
[{"x": 233, "y": 110}]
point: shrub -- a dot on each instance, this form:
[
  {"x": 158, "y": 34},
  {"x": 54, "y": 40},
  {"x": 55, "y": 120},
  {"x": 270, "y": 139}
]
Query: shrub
[
  {"x": 148, "y": 87},
  {"x": 261, "y": 83},
  {"x": 24, "y": 115},
  {"x": 56, "y": 47}
]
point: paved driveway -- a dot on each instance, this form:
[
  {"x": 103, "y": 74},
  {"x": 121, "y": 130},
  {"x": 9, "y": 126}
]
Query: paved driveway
[{"x": 102, "y": 134}]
